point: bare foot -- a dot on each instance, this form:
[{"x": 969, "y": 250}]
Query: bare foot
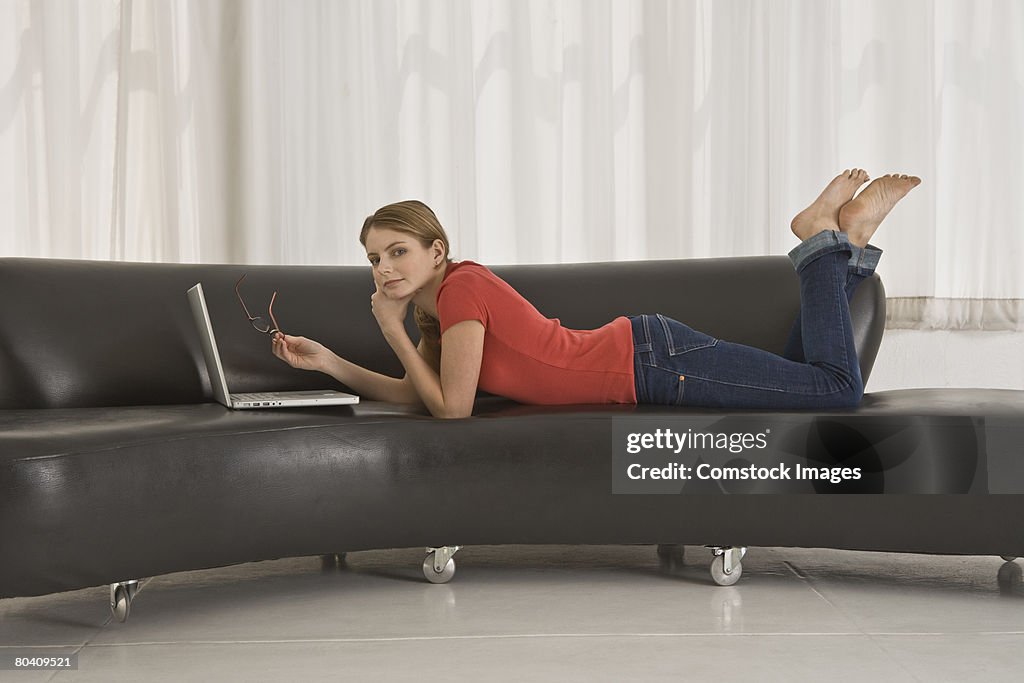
[
  {"x": 823, "y": 214},
  {"x": 860, "y": 218}
]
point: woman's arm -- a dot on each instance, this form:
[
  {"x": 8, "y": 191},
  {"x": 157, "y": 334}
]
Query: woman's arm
[
  {"x": 307, "y": 354},
  {"x": 372, "y": 385},
  {"x": 451, "y": 393}
]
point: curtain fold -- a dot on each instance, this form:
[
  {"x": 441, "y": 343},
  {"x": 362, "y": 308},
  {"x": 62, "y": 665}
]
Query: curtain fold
[{"x": 540, "y": 131}]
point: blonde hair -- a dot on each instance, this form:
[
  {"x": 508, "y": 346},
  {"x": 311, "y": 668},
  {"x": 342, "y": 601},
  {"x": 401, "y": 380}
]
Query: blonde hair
[{"x": 418, "y": 220}]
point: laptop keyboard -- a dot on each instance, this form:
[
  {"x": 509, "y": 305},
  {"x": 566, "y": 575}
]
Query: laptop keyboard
[{"x": 255, "y": 397}]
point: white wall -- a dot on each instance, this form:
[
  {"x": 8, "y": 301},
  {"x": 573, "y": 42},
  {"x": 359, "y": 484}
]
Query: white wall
[{"x": 946, "y": 358}]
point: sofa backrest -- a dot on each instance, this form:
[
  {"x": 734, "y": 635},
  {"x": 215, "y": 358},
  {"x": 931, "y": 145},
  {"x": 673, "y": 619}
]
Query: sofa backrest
[{"x": 98, "y": 333}]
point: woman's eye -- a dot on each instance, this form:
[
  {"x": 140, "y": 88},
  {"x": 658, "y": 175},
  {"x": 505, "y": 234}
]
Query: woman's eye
[{"x": 398, "y": 252}]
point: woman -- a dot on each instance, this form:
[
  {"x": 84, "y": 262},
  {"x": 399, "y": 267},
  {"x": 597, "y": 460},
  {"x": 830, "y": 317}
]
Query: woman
[{"x": 478, "y": 331}]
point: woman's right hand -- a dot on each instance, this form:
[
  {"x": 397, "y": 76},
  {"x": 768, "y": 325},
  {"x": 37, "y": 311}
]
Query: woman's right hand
[{"x": 299, "y": 352}]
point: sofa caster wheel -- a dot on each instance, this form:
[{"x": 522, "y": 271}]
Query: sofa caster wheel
[
  {"x": 121, "y": 595},
  {"x": 719, "y": 575},
  {"x": 434, "y": 576},
  {"x": 726, "y": 567},
  {"x": 439, "y": 565},
  {"x": 1009, "y": 558}
]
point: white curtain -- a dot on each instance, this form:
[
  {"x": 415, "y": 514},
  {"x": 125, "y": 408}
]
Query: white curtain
[{"x": 540, "y": 131}]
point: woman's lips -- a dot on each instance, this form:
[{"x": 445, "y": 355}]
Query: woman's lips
[{"x": 391, "y": 282}]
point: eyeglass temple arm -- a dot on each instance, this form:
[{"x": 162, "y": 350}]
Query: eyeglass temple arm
[
  {"x": 241, "y": 301},
  {"x": 270, "y": 310}
]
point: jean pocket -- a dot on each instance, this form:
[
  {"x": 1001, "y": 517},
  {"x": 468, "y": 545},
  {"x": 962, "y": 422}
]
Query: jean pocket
[{"x": 682, "y": 338}]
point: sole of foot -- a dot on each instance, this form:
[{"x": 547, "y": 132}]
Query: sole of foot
[
  {"x": 823, "y": 213},
  {"x": 861, "y": 217}
]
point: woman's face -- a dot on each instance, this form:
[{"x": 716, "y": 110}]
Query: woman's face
[{"x": 401, "y": 264}]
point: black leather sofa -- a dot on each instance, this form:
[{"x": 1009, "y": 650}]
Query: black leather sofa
[{"x": 116, "y": 464}]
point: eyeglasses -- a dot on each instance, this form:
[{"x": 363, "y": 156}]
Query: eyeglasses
[{"x": 258, "y": 322}]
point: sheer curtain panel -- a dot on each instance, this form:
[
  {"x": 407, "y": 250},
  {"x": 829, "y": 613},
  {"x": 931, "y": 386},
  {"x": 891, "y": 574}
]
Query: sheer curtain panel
[{"x": 540, "y": 131}]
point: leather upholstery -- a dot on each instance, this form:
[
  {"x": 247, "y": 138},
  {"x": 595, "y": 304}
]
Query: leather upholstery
[
  {"x": 97, "y": 333},
  {"x": 132, "y": 471}
]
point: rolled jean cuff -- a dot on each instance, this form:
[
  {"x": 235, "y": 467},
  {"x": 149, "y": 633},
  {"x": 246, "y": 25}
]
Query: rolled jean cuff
[
  {"x": 864, "y": 260},
  {"x": 824, "y": 242}
]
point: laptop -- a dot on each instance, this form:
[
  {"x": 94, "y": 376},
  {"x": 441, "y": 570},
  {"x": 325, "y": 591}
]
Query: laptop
[{"x": 272, "y": 399}]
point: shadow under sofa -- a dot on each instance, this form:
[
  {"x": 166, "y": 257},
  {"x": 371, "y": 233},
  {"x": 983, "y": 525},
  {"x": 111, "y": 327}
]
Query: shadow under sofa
[{"x": 116, "y": 464}]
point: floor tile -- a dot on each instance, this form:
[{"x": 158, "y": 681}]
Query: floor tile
[
  {"x": 547, "y": 613},
  {"x": 496, "y": 591},
  {"x": 893, "y": 592},
  {"x": 493, "y": 658},
  {"x": 958, "y": 658}
]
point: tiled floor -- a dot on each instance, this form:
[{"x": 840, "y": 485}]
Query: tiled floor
[{"x": 555, "y": 613}]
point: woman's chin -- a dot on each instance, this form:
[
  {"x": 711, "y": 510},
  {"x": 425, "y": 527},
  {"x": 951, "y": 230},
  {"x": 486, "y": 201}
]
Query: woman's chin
[{"x": 398, "y": 291}]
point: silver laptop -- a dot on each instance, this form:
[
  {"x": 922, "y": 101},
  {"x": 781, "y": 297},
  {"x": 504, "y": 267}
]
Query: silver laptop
[{"x": 273, "y": 399}]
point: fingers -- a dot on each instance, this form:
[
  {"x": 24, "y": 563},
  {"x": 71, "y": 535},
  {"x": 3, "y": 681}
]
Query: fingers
[{"x": 279, "y": 347}]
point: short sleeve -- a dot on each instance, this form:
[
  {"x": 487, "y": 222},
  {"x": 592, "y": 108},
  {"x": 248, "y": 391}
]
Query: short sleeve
[{"x": 459, "y": 301}]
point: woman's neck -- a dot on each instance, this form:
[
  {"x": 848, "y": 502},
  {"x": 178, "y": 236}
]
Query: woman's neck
[{"x": 426, "y": 298}]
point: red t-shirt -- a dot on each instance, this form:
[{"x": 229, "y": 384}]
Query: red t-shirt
[{"x": 532, "y": 359}]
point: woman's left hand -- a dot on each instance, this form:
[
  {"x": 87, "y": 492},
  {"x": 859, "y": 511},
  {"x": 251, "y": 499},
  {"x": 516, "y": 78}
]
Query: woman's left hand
[{"x": 390, "y": 313}]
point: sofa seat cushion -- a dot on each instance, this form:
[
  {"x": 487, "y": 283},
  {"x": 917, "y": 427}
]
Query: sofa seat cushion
[{"x": 95, "y": 495}]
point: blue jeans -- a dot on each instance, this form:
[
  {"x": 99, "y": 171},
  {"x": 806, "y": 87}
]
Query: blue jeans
[{"x": 674, "y": 364}]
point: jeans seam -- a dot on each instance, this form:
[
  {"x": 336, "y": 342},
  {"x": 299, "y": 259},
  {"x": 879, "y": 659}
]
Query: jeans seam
[
  {"x": 840, "y": 297},
  {"x": 759, "y": 388},
  {"x": 639, "y": 381},
  {"x": 670, "y": 342},
  {"x": 638, "y": 374}
]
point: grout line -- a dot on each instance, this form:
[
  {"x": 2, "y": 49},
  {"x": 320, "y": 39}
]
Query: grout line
[
  {"x": 888, "y": 655},
  {"x": 913, "y": 634},
  {"x": 796, "y": 570},
  {"x": 810, "y": 584},
  {"x": 553, "y": 635}
]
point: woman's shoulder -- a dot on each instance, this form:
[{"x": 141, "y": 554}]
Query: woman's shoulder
[
  {"x": 469, "y": 279},
  {"x": 467, "y": 266},
  {"x": 463, "y": 271}
]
